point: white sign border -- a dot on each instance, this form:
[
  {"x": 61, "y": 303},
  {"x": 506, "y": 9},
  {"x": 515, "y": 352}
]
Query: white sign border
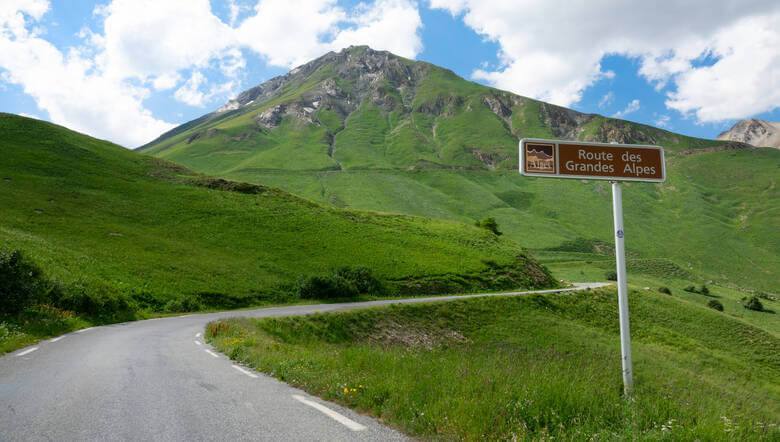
[{"x": 557, "y": 173}]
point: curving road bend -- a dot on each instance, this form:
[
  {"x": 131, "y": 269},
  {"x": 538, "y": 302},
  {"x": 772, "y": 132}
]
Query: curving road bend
[{"x": 158, "y": 380}]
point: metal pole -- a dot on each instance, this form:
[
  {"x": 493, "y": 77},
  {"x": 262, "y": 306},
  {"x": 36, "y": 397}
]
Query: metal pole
[{"x": 620, "y": 258}]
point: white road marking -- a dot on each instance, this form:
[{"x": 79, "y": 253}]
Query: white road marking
[
  {"x": 197, "y": 335},
  {"x": 57, "y": 339},
  {"x": 343, "y": 420},
  {"x": 84, "y": 329},
  {"x": 28, "y": 351},
  {"x": 246, "y": 372},
  {"x": 211, "y": 353},
  {"x": 198, "y": 343}
]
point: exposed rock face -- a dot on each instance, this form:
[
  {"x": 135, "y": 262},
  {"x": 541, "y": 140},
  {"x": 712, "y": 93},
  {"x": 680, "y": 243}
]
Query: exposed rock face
[
  {"x": 756, "y": 132},
  {"x": 619, "y": 131},
  {"x": 564, "y": 123},
  {"x": 329, "y": 90},
  {"x": 370, "y": 74}
]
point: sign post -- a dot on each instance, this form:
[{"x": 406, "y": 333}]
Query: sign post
[
  {"x": 620, "y": 259},
  {"x": 599, "y": 161}
]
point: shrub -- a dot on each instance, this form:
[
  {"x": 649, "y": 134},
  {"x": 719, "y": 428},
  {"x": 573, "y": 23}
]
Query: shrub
[
  {"x": 665, "y": 290},
  {"x": 183, "y": 304},
  {"x": 489, "y": 223},
  {"x": 754, "y": 304},
  {"x": 22, "y": 283},
  {"x": 362, "y": 278},
  {"x": 715, "y": 305},
  {"x": 325, "y": 287},
  {"x": 704, "y": 290},
  {"x": 691, "y": 289},
  {"x": 94, "y": 298},
  {"x": 611, "y": 275}
]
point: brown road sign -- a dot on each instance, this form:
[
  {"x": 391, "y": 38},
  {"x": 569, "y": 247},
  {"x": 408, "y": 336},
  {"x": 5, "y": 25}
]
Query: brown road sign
[{"x": 598, "y": 161}]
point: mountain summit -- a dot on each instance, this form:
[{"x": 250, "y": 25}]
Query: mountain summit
[
  {"x": 361, "y": 108},
  {"x": 759, "y": 133}
]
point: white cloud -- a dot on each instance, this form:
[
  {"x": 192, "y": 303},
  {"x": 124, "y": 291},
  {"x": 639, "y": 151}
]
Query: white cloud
[
  {"x": 191, "y": 91},
  {"x": 743, "y": 82},
  {"x": 552, "y": 50},
  {"x": 633, "y": 106},
  {"x": 390, "y": 25},
  {"x": 663, "y": 121},
  {"x": 69, "y": 89},
  {"x": 291, "y": 32},
  {"x": 607, "y": 99},
  {"x": 16, "y": 14},
  {"x": 148, "y": 38}
]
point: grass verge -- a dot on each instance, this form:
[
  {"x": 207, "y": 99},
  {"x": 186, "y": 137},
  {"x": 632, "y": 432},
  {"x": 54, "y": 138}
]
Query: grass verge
[{"x": 527, "y": 367}]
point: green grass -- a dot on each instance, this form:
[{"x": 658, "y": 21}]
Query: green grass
[
  {"x": 717, "y": 227},
  {"x": 95, "y": 214},
  {"x": 538, "y": 367}
]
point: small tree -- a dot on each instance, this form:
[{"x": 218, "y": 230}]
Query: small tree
[
  {"x": 754, "y": 304},
  {"x": 489, "y": 223},
  {"x": 21, "y": 282},
  {"x": 611, "y": 275},
  {"x": 704, "y": 290},
  {"x": 665, "y": 290},
  {"x": 715, "y": 305}
]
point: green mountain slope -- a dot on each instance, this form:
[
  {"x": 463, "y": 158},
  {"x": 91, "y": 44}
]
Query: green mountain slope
[
  {"x": 90, "y": 211},
  {"x": 366, "y": 129}
]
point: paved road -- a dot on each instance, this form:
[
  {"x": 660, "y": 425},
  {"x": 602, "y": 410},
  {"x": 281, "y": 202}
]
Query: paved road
[{"x": 158, "y": 380}]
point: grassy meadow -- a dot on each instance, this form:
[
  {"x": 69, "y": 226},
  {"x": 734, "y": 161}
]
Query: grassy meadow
[
  {"x": 529, "y": 368},
  {"x": 129, "y": 233}
]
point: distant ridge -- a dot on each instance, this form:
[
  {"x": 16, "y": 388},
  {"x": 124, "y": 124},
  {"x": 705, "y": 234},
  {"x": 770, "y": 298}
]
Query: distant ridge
[{"x": 756, "y": 132}]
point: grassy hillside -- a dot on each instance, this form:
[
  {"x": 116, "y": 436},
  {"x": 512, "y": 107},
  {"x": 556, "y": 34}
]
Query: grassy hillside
[
  {"x": 93, "y": 214},
  {"x": 718, "y": 226},
  {"x": 528, "y": 368},
  {"x": 368, "y": 130}
]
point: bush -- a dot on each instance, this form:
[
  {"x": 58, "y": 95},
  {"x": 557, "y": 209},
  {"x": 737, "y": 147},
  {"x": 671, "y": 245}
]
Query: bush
[
  {"x": 691, "y": 289},
  {"x": 611, "y": 275},
  {"x": 665, "y": 290},
  {"x": 489, "y": 223},
  {"x": 325, "y": 287},
  {"x": 183, "y": 304},
  {"x": 704, "y": 290},
  {"x": 362, "y": 278},
  {"x": 715, "y": 305},
  {"x": 95, "y": 299},
  {"x": 754, "y": 304},
  {"x": 22, "y": 283}
]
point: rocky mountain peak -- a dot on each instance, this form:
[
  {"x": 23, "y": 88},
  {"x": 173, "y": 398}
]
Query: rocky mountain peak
[
  {"x": 753, "y": 131},
  {"x": 342, "y": 81}
]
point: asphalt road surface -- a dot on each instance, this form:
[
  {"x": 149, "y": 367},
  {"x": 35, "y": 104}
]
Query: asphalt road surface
[{"x": 158, "y": 380}]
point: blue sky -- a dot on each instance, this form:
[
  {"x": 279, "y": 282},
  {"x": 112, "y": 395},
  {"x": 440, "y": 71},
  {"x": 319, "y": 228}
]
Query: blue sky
[{"x": 127, "y": 70}]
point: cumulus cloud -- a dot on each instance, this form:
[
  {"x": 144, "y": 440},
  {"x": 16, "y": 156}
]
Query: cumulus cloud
[
  {"x": 66, "y": 85},
  {"x": 633, "y": 106},
  {"x": 291, "y": 32},
  {"x": 552, "y": 50},
  {"x": 147, "y": 45}
]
